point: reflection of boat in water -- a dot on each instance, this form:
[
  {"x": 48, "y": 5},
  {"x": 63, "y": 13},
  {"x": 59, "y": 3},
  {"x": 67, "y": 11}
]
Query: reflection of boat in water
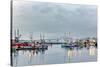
[{"x": 92, "y": 51}]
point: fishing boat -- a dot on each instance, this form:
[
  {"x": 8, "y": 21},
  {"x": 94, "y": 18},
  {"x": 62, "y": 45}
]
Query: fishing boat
[
  {"x": 17, "y": 44},
  {"x": 32, "y": 47},
  {"x": 43, "y": 47},
  {"x": 68, "y": 45}
]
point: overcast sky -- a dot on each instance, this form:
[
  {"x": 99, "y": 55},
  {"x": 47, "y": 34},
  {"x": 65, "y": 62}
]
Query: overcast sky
[{"x": 54, "y": 19}]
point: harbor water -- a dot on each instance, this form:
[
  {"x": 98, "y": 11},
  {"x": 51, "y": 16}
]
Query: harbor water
[{"x": 55, "y": 54}]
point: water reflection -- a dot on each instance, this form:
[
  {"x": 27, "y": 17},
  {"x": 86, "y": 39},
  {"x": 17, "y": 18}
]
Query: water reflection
[
  {"x": 54, "y": 54},
  {"x": 92, "y": 51},
  {"x": 70, "y": 54}
]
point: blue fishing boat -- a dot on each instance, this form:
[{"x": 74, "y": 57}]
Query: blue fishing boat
[{"x": 68, "y": 45}]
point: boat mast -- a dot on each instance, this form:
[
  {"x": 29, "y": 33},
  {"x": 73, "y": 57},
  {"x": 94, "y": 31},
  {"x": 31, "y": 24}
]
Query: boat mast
[
  {"x": 17, "y": 35},
  {"x": 31, "y": 37}
]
